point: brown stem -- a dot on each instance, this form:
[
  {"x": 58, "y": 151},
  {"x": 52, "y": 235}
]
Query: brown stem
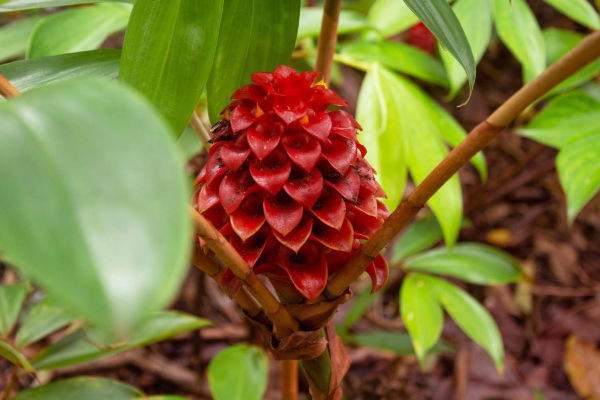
[
  {"x": 283, "y": 323},
  {"x": 328, "y": 37},
  {"x": 289, "y": 380},
  {"x": 7, "y": 90},
  {"x": 12, "y": 381},
  {"x": 586, "y": 52}
]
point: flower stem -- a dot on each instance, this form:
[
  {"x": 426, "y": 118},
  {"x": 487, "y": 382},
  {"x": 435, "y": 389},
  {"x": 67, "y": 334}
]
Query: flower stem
[
  {"x": 586, "y": 52},
  {"x": 7, "y": 90},
  {"x": 328, "y": 37},
  {"x": 289, "y": 380}
]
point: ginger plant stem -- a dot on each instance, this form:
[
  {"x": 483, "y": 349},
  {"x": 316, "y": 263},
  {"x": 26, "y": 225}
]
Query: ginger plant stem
[{"x": 328, "y": 37}]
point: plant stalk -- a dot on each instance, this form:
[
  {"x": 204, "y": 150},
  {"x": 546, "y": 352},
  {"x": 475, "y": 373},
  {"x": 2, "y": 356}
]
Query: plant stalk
[
  {"x": 289, "y": 380},
  {"x": 328, "y": 37},
  {"x": 586, "y": 52}
]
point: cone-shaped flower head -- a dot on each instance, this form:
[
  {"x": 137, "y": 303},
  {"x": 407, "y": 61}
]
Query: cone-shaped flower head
[{"x": 287, "y": 184}]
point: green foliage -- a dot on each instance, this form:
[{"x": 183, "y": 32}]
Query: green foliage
[
  {"x": 250, "y": 41},
  {"x": 11, "y": 300},
  {"x": 82, "y": 388},
  {"x": 310, "y": 22},
  {"x": 391, "y": 16},
  {"x": 14, "y": 356},
  {"x": 15, "y": 5},
  {"x": 41, "y": 320},
  {"x": 123, "y": 238},
  {"x": 578, "y": 10},
  {"x": 14, "y": 37},
  {"x": 238, "y": 373}
]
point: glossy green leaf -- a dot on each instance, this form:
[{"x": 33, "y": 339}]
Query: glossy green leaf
[
  {"x": 79, "y": 346},
  {"x": 15, "y": 5},
  {"x": 413, "y": 136},
  {"x": 168, "y": 53},
  {"x": 239, "y": 372},
  {"x": 349, "y": 22},
  {"x": 27, "y": 74},
  {"x": 470, "y": 262},
  {"x": 475, "y": 17},
  {"x": 399, "y": 57},
  {"x": 558, "y": 43},
  {"x": 14, "y": 356},
  {"x": 256, "y": 35},
  {"x": 11, "y": 301},
  {"x": 579, "y": 171},
  {"x": 41, "y": 320},
  {"x": 565, "y": 118},
  {"x": 420, "y": 235},
  {"x": 438, "y": 16},
  {"x": 421, "y": 313},
  {"x": 469, "y": 315},
  {"x": 105, "y": 235},
  {"x": 14, "y": 37},
  {"x": 398, "y": 343},
  {"x": 82, "y": 388},
  {"x": 77, "y": 29},
  {"x": 391, "y": 17},
  {"x": 519, "y": 30},
  {"x": 379, "y": 114},
  {"x": 578, "y": 10}
]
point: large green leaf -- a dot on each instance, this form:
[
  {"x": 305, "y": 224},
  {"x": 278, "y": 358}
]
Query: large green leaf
[
  {"x": 82, "y": 388},
  {"x": 469, "y": 315},
  {"x": 471, "y": 262},
  {"x": 168, "y": 53},
  {"x": 11, "y": 301},
  {"x": 519, "y": 30},
  {"x": 27, "y": 74},
  {"x": 256, "y": 35},
  {"x": 410, "y": 133},
  {"x": 41, "y": 320},
  {"x": 239, "y": 372},
  {"x": 398, "y": 343},
  {"x": 574, "y": 114},
  {"x": 93, "y": 206},
  {"x": 579, "y": 10},
  {"x": 579, "y": 171},
  {"x": 421, "y": 313},
  {"x": 558, "y": 43},
  {"x": 311, "y": 17},
  {"x": 420, "y": 235},
  {"x": 78, "y": 347},
  {"x": 14, "y": 37},
  {"x": 438, "y": 16},
  {"x": 399, "y": 57},
  {"x": 475, "y": 17},
  {"x": 77, "y": 29},
  {"x": 14, "y": 5},
  {"x": 391, "y": 16}
]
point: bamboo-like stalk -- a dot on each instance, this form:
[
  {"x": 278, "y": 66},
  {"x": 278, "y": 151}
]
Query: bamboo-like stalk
[
  {"x": 289, "y": 380},
  {"x": 586, "y": 52},
  {"x": 328, "y": 37},
  {"x": 283, "y": 323},
  {"x": 7, "y": 90}
]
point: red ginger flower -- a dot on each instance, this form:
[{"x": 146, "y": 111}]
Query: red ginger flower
[{"x": 287, "y": 184}]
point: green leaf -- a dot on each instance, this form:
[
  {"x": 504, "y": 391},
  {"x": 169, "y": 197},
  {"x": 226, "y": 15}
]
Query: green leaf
[
  {"x": 42, "y": 319},
  {"x": 558, "y": 43},
  {"x": 27, "y": 74},
  {"x": 413, "y": 136},
  {"x": 360, "y": 304},
  {"x": 11, "y": 301},
  {"x": 15, "y": 5},
  {"x": 14, "y": 37},
  {"x": 77, "y": 29},
  {"x": 475, "y": 17},
  {"x": 349, "y": 22},
  {"x": 579, "y": 171},
  {"x": 391, "y": 17},
  {"x": 420, "y": 235},
  {"x": 421, "y": 313},
  {"x": 264, "y": 33},
  {"x": 82, "y": 388},
  {"x": 438, "y": 16},
  {"x": 398, "y": 343},
  {"x": 578, "y": 10},
  {"x": 168, "y": 53},
  {"x": 78, "y": 347},
  {"x": 14, "y": 356},
  {"x": 519, "y": 30},
  {"x": 470, "y": 262},
  {"x": 239, "y": 372},
  {"x": 399, "y": 57},
  {"x": 113, "y": 189},
  {"x": 469, "y": 315},
  {"x": 565, "y": 118}
]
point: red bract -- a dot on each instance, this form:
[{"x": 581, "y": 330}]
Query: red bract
[
  {"x": 420, "y": 36},
  {"x": 287, "y": 184}
]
